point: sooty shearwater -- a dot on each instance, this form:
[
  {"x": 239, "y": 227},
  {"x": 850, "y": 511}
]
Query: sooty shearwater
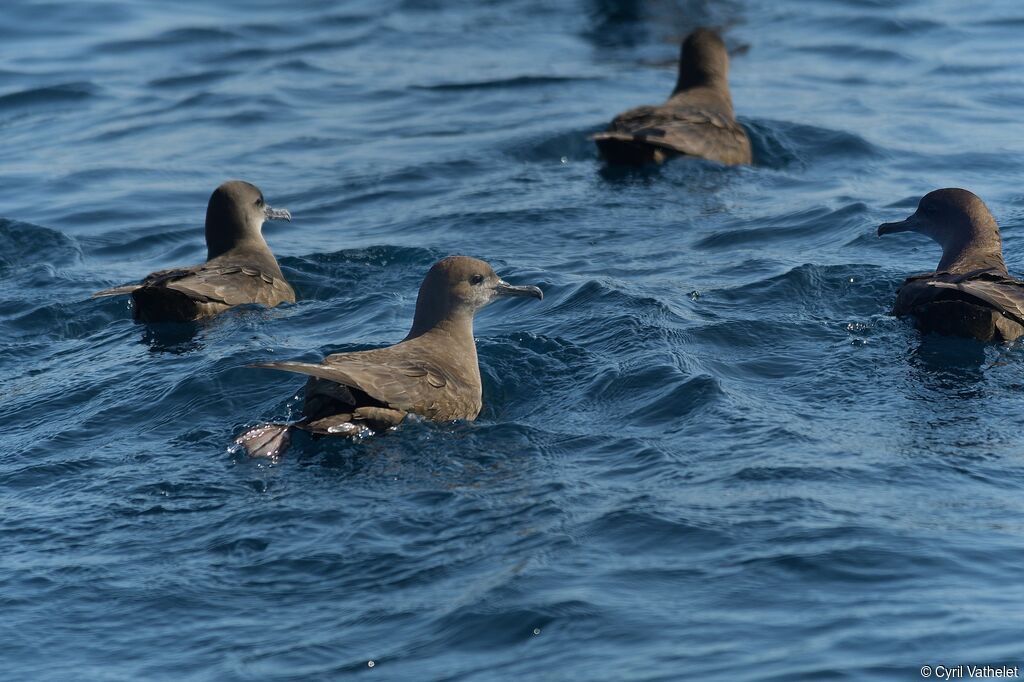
[
  {"x": 433, "y": 372},
  {"x": 697, "y": 120},
  {"x": 970, "y": 293},
  {"x": 239, "y": 267}
]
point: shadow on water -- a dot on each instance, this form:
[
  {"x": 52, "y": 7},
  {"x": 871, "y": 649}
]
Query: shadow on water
[
  {"x": 944, "y": 362},
  {"x": 341, "y": 453},
  {"x": 618, "y": 24},
  {"x": 426, "y": 455},
  {"x": 701, "y": 184},
  {"x": 643, "y": 175},
  {"x": 177, "y": 338}
]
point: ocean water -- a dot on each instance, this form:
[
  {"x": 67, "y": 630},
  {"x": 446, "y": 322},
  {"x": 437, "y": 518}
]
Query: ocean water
[{"x": 708, "y": 454}]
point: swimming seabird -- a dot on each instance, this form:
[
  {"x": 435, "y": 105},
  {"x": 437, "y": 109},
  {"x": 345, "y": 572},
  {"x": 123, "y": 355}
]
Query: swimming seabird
[
  {"x": 239, "y": 267},
  {"x": 697, "y": 120},
  {"x": 433, "y": 372},
  {"x": 970, "y": 293}
]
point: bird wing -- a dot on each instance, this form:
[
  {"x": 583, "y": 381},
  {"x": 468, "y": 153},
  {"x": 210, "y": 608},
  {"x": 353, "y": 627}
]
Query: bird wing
[
  {"x": 1002, "y": 293},
  {"x": 117, "y": 291},
  {"x": 405, "y": 384},
  {"x": 694, "y": 131},
  {"x": 232, "y": 285},
  {"x": 153, "y": 279}
]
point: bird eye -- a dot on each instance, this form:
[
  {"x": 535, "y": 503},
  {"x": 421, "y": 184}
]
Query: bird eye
[
  {"x": 476, "y": 279},
  {"x": 259, "y": 202}
]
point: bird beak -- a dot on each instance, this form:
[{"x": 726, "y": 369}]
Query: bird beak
[
  {"x": 911, "y": 224},
  {"x": 503, "y": 288},
  {"x": 277, "y": 214}
]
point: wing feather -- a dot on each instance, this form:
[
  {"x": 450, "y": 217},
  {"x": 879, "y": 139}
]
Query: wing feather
[
  {"x": 403, "y": 384},
  {"x": 233, "y": 286},
  {"x": 688, "y": 130},
  {"x": 117, "y": 291},
  {"x": 1006, "y": 296}
]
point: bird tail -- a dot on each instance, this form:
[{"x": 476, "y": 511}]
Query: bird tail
[
  {"x": 117, "y": 291},
  {"x": 628, "y": 149},
  {"x": 266, "y": 440}
]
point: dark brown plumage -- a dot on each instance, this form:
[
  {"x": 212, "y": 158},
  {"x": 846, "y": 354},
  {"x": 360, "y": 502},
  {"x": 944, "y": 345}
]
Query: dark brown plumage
[
  {"x": 697, "y": 120},
  {"x": 970, "y": 293},
  {"x": 433, "y": 372},
  {"x": 240, "y": 268}
]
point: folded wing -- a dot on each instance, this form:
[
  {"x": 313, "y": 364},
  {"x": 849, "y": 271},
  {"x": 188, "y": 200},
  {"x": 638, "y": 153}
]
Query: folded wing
[
  {"x": 407, "y": 385},
  {"x": 232, "y": 285},
  {"x": 236, "y": 285},
  {"x": 685, "y": 130},
  {"x": 1003, "y": 294}
]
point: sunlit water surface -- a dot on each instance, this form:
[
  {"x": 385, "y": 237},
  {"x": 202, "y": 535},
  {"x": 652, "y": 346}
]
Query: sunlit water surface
[{"x": 709, "y": 453}]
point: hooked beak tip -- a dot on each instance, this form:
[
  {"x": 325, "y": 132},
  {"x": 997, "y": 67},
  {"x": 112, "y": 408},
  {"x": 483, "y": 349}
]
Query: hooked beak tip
[
  {"x": 908, "y": 225},
  {"x": 277, "y": 214},
  {"x": 506, "y": 289}
]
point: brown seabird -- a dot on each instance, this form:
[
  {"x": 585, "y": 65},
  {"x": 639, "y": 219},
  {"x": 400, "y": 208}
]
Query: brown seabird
[
  {"x": 433, "y": 372},
  {"x": 697, "y": 120},
  {"x": 970, "y": 293},
  {"x": 239, "y": 267}
]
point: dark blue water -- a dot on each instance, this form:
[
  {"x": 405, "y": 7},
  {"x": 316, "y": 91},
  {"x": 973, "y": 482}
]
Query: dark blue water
[{"x": 707, "y": 454}]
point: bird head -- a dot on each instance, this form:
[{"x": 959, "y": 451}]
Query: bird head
[
  {"x": 703, "y": 60},
  {"x": 235, "y": 214},
  {"x": 962, "y": 225},
  {"x": 457, "y": 287}
]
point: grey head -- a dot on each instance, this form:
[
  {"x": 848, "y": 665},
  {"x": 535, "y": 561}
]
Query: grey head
[
  {"x": 234, "y": 219},
  {"x": 962, "y": 225},
  {"x": 703, "y": 62},
  {"x": 455, "y": 288}
]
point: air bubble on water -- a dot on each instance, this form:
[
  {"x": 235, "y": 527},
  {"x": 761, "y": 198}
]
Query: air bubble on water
[
  {"x": 565, "y": 159},
  {"x": 370, "y": 664},
  {"x": 536, "y": 631}
]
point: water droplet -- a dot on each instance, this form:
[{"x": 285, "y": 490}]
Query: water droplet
[
  {"x": 370, "y": 664},
  {"x": 565, "y": 159}
]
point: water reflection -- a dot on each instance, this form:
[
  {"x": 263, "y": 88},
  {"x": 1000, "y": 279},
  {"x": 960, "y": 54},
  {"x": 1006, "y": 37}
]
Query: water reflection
[
  {"x": 950, "y": 364},
  {"x": 171, "y": 337},
  {"x": 618, "y": 24}
]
